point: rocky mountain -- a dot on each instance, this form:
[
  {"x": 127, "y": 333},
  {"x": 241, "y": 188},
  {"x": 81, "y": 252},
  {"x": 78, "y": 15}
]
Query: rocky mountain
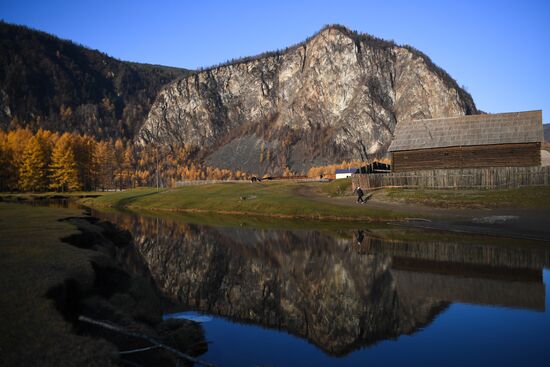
[
  {"x": 335, "y": 96},
  {"x": 46, "y": 82},
  {"x": 338, "y": 95}
]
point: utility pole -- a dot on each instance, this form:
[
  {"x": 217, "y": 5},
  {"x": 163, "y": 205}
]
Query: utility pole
[{"x": 157, "y": 154}]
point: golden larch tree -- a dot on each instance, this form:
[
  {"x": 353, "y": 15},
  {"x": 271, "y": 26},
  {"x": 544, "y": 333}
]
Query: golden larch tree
[
  {"x": 84, "y": 148},
  {"x": 16, "y": 143},
  {"x": 119, "y": 163},
  {"x": 104, "y": 164},
  {"x": 7, "y": 167},
  {"x": 64, "y": 168},
  {"x": 33, "y": 172}
]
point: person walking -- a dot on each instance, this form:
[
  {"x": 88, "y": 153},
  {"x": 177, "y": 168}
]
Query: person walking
[{"x": 360, "y": 195}]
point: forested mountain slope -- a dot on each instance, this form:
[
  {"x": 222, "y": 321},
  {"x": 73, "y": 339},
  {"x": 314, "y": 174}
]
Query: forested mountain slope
[{"x": 49, "y": 83}]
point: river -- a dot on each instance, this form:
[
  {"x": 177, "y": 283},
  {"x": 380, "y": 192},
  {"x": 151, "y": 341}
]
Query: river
[{"x": 271, "y": 294}]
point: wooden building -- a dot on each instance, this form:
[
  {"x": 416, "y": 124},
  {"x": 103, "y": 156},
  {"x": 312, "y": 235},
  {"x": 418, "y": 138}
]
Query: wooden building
[{"x": 488, "y": 140}]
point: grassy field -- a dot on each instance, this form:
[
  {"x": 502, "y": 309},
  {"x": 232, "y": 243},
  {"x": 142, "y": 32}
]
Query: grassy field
[
  {"x": 32, "y": 260},
  {"x": 312, "y": 201},
  {"x": 524, "y": 197},
  {"x": 278, "y": 199},
  {"x": 341, "y": 187}
]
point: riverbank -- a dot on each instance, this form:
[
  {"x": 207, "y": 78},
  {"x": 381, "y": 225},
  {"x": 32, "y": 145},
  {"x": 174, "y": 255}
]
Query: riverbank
[
  {"x": 332, "y": 200},
  {"x": 516, "y": 213},
  {"x": 35, "y": 196},
  {"x": 56, "y": 265},
  {"x": 273, "y": 199},
  {"x": 522, "y": 213}
]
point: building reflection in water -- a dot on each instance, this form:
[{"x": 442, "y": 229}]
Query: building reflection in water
[{"x": 340, "y": 291}]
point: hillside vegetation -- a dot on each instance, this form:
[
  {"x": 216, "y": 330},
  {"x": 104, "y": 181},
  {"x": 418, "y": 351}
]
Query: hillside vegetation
[{"x": 50, "y": 83}]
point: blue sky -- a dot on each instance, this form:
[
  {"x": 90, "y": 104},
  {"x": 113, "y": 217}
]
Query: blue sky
[{"x": 499, "y": 50}]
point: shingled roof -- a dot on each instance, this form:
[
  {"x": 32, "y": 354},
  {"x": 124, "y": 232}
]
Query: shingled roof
[{"x": 499, "y": 128}]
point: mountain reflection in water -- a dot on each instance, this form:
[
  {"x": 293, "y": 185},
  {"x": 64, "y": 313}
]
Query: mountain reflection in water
[{"x": 340, "y": 291}]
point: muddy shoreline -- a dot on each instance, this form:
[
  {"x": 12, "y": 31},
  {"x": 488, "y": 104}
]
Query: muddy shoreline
[{"x": 122, "y": 293}]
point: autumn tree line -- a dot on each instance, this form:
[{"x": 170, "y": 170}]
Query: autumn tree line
[{"x": 50, "y": 161}]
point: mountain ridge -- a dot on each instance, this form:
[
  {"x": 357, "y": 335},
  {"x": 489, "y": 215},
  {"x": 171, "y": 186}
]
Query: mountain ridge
[
  {"x": 356, "y": 36},
  {"x": 335, "y": 96}
]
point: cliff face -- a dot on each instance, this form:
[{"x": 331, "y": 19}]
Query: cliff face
[{"x": 336, "y": 96}]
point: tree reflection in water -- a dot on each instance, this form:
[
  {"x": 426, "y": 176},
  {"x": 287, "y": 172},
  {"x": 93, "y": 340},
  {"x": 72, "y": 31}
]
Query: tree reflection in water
[{"x": 340, "y": 291}]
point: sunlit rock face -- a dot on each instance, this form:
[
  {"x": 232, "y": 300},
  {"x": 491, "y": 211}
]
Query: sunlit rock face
[
  {"x": 336, "y": 96},
  {"x": 308, "y": 283}
]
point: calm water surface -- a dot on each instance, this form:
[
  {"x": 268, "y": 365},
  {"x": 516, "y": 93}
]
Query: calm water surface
[{"x": 282, "y": 297}]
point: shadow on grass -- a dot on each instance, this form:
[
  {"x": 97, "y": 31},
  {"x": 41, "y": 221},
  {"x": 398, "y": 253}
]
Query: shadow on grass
[{"x": 122, "y": 203}]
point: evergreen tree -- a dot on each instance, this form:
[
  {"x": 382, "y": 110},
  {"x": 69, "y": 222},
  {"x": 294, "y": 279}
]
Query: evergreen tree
[
  {"x": 64, "y": 168},
  {"x": 33, "y": 173}
]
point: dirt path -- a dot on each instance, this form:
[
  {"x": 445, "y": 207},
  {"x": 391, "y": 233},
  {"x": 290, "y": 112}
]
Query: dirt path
[
  {"x": 414, "y": 210},
  {"x": 533, "y": 224}
]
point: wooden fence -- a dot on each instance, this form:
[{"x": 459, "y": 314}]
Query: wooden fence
[
  {"x": 481, "y": 178},
  {"x": 206, "y": 182},
  {"x": 209, "y": 182}
]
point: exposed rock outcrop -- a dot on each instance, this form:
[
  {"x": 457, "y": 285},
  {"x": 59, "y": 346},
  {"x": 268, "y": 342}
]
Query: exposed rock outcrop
[{"x": 336, "y": 96}]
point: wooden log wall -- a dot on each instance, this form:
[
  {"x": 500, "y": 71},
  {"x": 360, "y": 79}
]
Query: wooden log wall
[
  {"x": 481, "y": 291},
  {"x": 497, "y": 155},
  {"x": 478, "y": 178},
  {"x": 475, "y": 253}
]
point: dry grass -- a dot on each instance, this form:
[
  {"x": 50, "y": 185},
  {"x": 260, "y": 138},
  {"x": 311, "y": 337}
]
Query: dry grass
[
  {"x": 32, "y": 260},
  {"x": 524, "y": 197}
]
